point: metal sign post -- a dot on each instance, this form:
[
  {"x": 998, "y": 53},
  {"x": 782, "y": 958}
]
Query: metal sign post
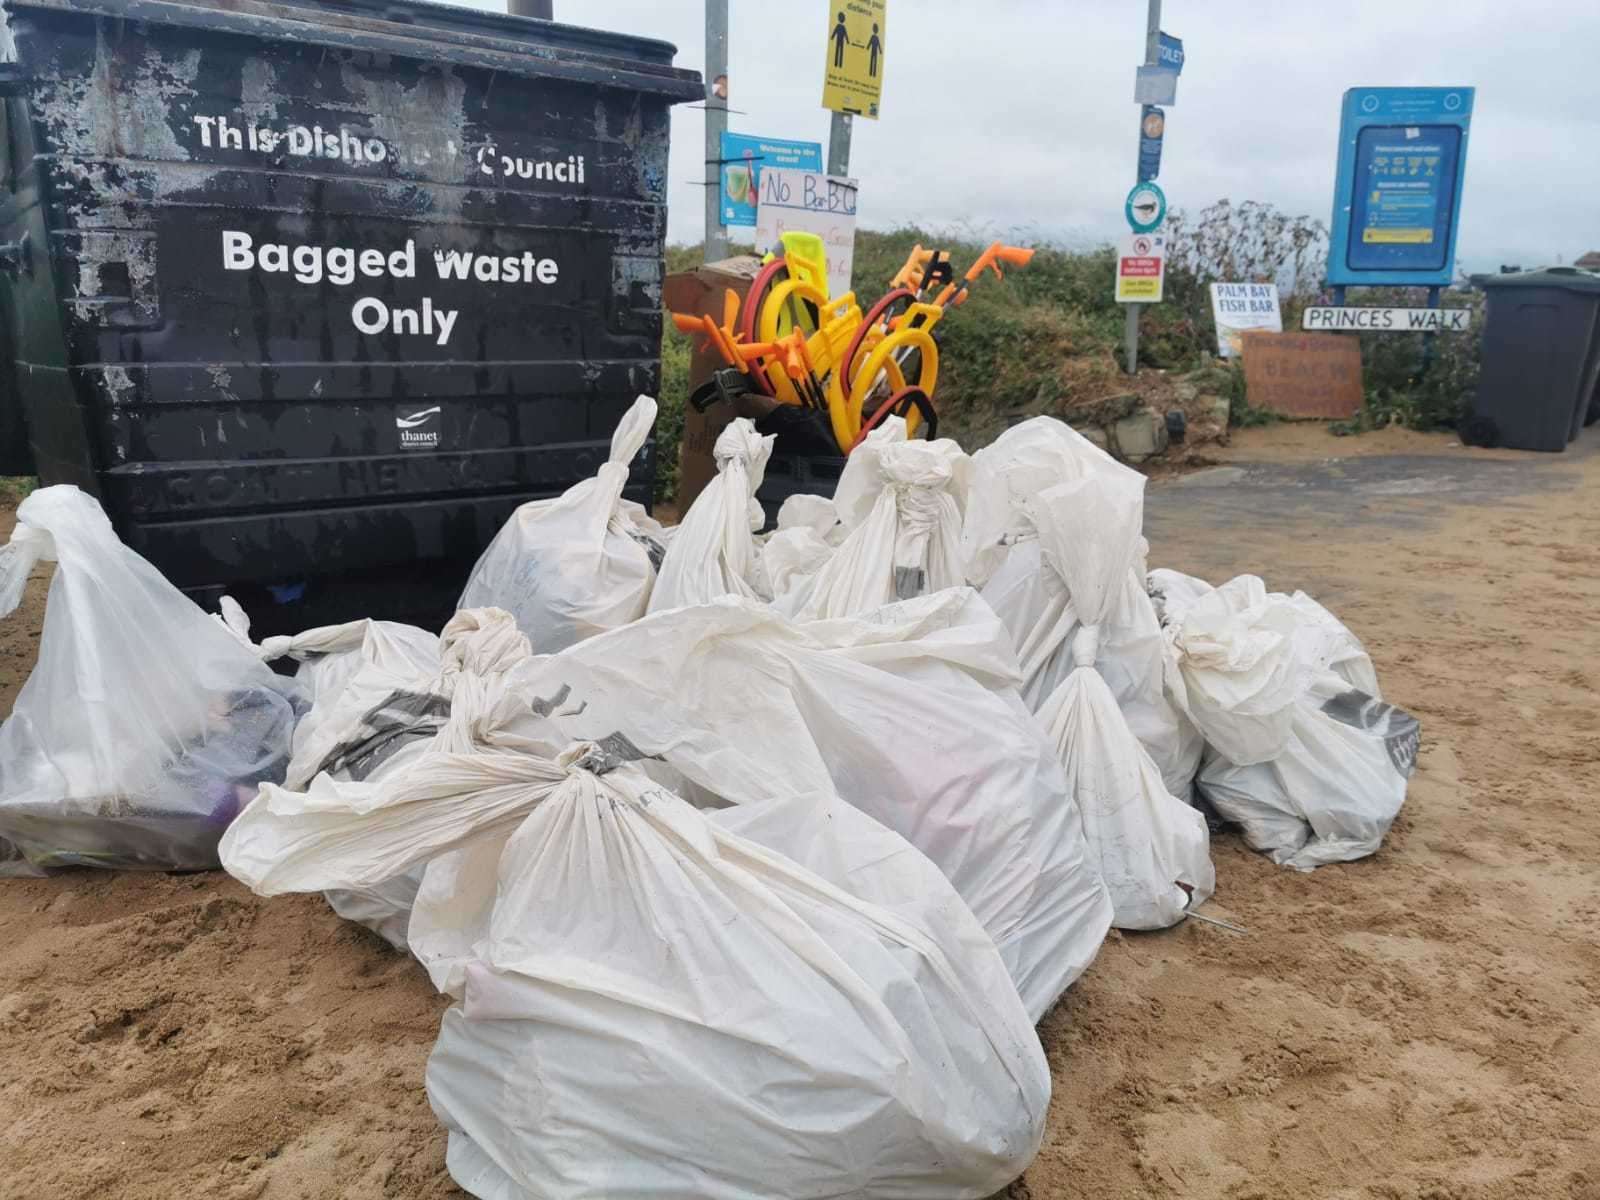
[
  {"x": 839, "y": 145},
  {"x": 1152, "y": 57},
  {"x": 716, "y": 244}
]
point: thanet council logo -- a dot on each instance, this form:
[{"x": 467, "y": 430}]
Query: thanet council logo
[{"x": 419, "y": 430}]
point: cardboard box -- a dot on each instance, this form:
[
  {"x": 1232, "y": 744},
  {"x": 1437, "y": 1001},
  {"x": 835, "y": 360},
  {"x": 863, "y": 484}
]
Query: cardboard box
[{"x": 700, "y": 292}]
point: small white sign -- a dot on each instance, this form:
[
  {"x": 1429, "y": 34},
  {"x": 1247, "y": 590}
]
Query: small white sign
[
  {"x": 1141, "y": 268},
  {"x": 1329, "y": 318},
  {"x": 1155, "y": 85},
  {"x": 811, "y": 202},
  {"x": 1241, "y": 306}
]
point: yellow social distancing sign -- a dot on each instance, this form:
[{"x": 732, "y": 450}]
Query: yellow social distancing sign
[{"x": 853, "y": 81}]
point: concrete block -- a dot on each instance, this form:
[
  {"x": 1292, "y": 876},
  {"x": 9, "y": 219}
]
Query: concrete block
[
  {"x": 1096, "y": 435},
  {"x": 1140, "y": 436}
]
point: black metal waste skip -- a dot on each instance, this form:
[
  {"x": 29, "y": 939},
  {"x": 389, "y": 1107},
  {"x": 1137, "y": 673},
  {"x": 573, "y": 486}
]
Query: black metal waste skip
[{"x": 327, "y": 288}]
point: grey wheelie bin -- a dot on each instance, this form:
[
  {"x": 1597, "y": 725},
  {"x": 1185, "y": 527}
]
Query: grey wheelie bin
[
  {"x": 1541, "y": 356},
  {"x": 313, "y": 295}
]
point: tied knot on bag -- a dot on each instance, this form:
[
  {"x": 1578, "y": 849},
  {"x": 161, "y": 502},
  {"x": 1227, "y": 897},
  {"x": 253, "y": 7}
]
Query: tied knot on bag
[
  {"x": 1086, "y": 646},
  {"x": 726, "y": 458},
  {"x": 599, "y": 757},
  {"x": 271, "y": 649},
  {"x": 917, "y": 506}
]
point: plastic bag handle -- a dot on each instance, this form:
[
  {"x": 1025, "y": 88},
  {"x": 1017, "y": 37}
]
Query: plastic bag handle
[
  {"x": 18, "y": 557},
  {"x": 633, "y": 431}
]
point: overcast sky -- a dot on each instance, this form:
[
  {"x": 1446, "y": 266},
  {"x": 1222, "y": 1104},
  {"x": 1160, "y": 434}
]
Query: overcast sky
[{"x": 1018, "y": 115}]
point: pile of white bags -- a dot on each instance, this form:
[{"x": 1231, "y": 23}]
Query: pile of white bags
[
  {"x": 909, "y": 712},
  {"x": 779, "y": 999},
  {"x": 579, "y": 564},
  {"x": 902, "y": 504},
  {"x": 1302, "y": 751},
  {"x": 735, "y": 896},
  {"x": 714, "y": 551},
  {"x": 1005, "y": 558},
  {"x": 145, "y": 726}
]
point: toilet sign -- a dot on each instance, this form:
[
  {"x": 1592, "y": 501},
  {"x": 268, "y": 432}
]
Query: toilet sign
[
  {"x": 1170, "y": 53},
  {"x": 1141, "y": 268}
]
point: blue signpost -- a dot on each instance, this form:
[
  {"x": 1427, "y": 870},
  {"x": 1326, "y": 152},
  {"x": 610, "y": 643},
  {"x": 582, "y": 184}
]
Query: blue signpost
[
  {"x": 1397, "y": 193},
  {"x": 1155, "y": 84}
]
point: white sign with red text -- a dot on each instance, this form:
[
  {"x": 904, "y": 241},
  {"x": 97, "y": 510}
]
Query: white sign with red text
[{"x": 1141, "y": 268}]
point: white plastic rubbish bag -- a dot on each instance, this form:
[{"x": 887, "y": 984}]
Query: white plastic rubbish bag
[
  {"x": 1236, "y": 652},
  {"x": 807, "y": 533},
  {"x": 1324, "y": 641},
  {"x": 1336, "y": 788},
  {"x": 1330, "y": 785},
  {"x": 372, "y": 710},
  {"x": 714, "y": 551},
  {"x": 392, "y": 708},
  {"x": 657, "y": 1001},
  {"x": 383, "y": 696},
  {"x": 902, "y": 502},
  {"x": 910, "y": 712},
  {"x": 14, "y": 865},
  {"x": 476, "y": 649},
  {"x": 145, "y": 726},
  {"x": 817, "y": 513},
  {"x": 1008, "y": 473},
  {"x": 1002, "y": 547},
  {"x": 1152, "y": 849},
  {"x": 1173, "y": 591},
  {"x": 584, "y": 562},
  {"x": 368, "y": 683}
]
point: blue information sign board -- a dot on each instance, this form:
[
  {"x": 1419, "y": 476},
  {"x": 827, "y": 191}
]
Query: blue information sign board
[
  {"x": 742, "y": 159},
  {"x": 1397, "y": 194}
]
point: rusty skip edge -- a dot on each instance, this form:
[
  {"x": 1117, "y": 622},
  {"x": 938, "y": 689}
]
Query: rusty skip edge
[{"x": 564, "y": 55}]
